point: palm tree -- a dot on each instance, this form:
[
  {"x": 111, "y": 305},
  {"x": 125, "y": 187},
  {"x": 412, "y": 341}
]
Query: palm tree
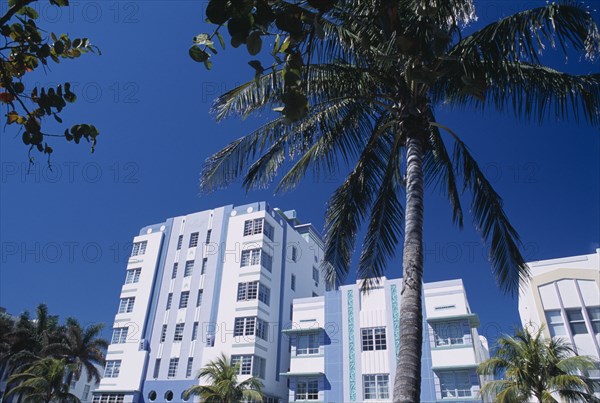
[
  {"x": 223, "y": 386},
  {"x": 83, "y": 348},
  {"x": 373, "y": 86},
  {"x": 536, "y": 368},
  {"x": 43, "y": 381}
]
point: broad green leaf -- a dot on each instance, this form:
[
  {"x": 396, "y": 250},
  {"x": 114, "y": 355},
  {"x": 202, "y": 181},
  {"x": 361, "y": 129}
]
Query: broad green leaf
[
  {"x": 198, "y": 54},
  {"x": 254, "y": 43}
]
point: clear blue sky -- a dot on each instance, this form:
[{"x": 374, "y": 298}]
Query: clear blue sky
[{"x": 64, "y": 234}]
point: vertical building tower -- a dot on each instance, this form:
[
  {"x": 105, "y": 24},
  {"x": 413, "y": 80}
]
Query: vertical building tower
[
  {"x": 215, "y": 282},
  {"x": 563, "y": 296},
  {"x": 345, "y": 344}
]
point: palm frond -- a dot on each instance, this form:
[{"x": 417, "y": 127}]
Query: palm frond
[
  {"x": 524, "y": 35},
  {"x": 385, "y": 226}
]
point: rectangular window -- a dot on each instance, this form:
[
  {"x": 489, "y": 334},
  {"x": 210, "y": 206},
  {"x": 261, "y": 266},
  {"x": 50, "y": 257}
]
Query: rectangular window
[
  {"x": 308, "y": 344},
  {"x": 112, "y": 369},
  {"x": 293, "y": 282},
  {"x": 250, "y": 326},
  {"x": 266, "y": 260},
  {"x": 183, "y": 299},
  {"x": 307, "y": 390},
  {"x": 119, "y": 335},
  {"x": 576, "y": 321},
  {"x": 199, "y": 298},
  {"x": 139, "y": 248},
  {"x": 86, "y": 392},
  {"x": 376, "y": 387},
  {"x": 449, "y": 334},
  {"x": 188, "y": 370},
  {"x": 178, "y": 336},
  {"x": 169, "y": 300},
  {"x": 156, "y": 368},
  {"x": 189, "y": 268},
  {"x": 247, "y": 291},
  {"x": 174, "y": 272},
  {"x": 179, "y": 242},
  {"x": 195, "y": 331},
  {"x": 194, "y": 240},
  {"x": 316, "y": 275},
  {"x": 126, "y": 304},
  {"x": 173, "y": 364},
  {"x": 208, "y": 234},
  {"x": 163, "y": 334},
  {"x": 258, "y": 226},
  {"x": 243, "y": 362},
  {"x": 294, "y": 254},
  {"x": 556, "y": 326},
  {"x": 251, "y": 257},
  {"x": 455, "y": 384},
  {"x": 133, "y": 275},
  {"x": 594, "y": 314},
  {"x": 204, "y": 263},
  {"x": 373, "y": 338},
  {"x": 264, "y": 294},
  {"x": 259, "y": 366}
]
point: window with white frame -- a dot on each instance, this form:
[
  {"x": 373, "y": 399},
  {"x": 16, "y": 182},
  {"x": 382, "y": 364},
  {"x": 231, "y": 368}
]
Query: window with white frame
[
  {"x": 449, "y": 333},
  {"x": 133, "y": 275},
  {"x": 373, "y": 338},
  {"x": 594, "y": 314},
  {"x": 259, "y": 366},
  {"x": 199, "y": 298},
  {"x": 250, "y": 326},
  {"x": 376, "y": 387},
  {"x": 247, "y": 291},
  {"x": 250, "y": 257},
  {"x": 258, "y": 226},
  {"x": 293, "y": 282},
  {"x": 163, "y": 334},
  {"x": 576, "y": 321},
  {"x": 169, "y": 300},
  {"x": 455, "y": 384},
  {"x": 109, "y": 398},
  {"x": 556, "y": 326},
  {"x": 183, "y": 299},
  {"x": 307, "y": 344},
  {"x": 156, "y": 368},
  {"x": 190, "y": 364},
  {"x": 112, "y": 368},
  {"x": 266, "y": 261},
  {"x": 243, "y": 362},
  {"x": 173, "y": 364},
  {"x": 316, "y": 275},
  {"x": 306, "y": 389},
  {"x": 86, "y": 392},
  {"x": 194, "y": 240},
  {"x": 139, "y": 248},
  {"x": 179, "y": 242},
  {"x": 208, "y": 234},
  {"x": 204, "y": 263},
  {"x": 189, "y": 268},
  {"x": 126, "y": 304},
  {"x": 119, "y": 335},
  {"x": 174, "y": 272},
  {"x": 178, "y": 336},
  {"x": 195, "y": 331}
]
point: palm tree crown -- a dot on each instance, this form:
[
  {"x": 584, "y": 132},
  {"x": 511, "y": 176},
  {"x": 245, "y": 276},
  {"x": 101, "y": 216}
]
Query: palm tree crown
[
  {"x": 223, "y": 385},
  {"x": 535, "y": 368},
  {"x": 373, "y": 87},
  {"x": 43, "y": 381}
]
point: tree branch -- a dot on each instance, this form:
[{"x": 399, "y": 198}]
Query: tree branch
[{"x": 13, "y": 10}]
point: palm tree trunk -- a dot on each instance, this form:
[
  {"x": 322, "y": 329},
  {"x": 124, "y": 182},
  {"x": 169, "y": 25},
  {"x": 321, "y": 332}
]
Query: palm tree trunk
[{"x": 407, "y": 385}]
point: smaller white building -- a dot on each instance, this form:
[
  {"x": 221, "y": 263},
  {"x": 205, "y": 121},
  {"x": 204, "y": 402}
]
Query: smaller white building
[
  {"x": 563, "y": 296},
  {"x": 344, "y": 345}
]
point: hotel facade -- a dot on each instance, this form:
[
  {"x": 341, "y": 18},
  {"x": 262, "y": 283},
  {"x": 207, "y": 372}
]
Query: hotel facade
[
  {"x": 344, "y": 345},
  {"x": 212, "y": 282},
  {"x": 244, "y": 281}
]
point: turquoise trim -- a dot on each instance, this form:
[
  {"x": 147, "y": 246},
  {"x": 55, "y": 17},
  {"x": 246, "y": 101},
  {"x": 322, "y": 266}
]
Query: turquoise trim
[
  {"x": 396, "y": 318},
  {"x": 351, "y": 346}
]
